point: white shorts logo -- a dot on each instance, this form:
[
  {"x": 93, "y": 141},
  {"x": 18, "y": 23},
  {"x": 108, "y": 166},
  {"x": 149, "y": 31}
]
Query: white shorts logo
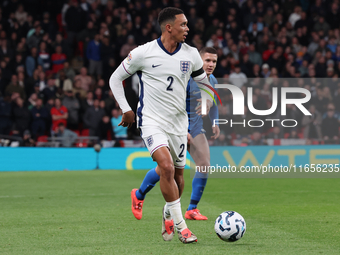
[{"x": 149, "y": 140}]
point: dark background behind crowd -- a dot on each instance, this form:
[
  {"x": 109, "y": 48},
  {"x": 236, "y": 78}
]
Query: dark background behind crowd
[{"x": 56, "y": 58}]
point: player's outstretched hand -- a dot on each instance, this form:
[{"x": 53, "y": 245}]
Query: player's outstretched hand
[
  {"x": 199, "y": 107},
  {"x": 128, "y": 119},
  {"x": 216, "y": 132}
]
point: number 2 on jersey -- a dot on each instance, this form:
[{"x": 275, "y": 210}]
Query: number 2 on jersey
[{"x": 171, "y": 79}]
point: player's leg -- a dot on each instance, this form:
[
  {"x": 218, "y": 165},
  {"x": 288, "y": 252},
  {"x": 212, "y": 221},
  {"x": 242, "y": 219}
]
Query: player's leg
[
  {"x": 178, "y": 153},
  {"x": 149, "y": 181},
  {"x": 199, "y": 151},
  {"x": 138, "y": 195},
  {"x": 153, "y": 139},
  {"x": 179, "y": 179},
  {"x": 169, "y": 190}
]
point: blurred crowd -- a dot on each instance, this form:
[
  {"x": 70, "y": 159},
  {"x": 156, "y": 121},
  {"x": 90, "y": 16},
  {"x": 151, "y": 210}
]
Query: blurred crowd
[{"x": 56, "y": 58}]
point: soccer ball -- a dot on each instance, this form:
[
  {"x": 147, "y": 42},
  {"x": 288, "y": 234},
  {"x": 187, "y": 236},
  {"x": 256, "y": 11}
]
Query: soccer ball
[{"x": 230, "y": 226}]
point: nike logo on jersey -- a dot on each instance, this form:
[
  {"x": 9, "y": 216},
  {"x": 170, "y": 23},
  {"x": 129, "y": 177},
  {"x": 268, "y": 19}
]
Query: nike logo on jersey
[
  {"x": 196, "y": 92},
  {"x": 178, "y": 160},
  {"x": 153, "y": 66}
]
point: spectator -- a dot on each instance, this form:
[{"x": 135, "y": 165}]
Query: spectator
[
  {"x": 27, "y": 139},
  {"x": 75, "y": 20},
  {"x": 105, "y": 130},
  {"x": 94, "y": 56},
  {"x": 92, "y": 117},
  {"x": 21, "y": 116},
  {"x": 330, "y": 124},
  {"x": 119, "y": 131},
  {"x": 128, "y": 46},
  {"x": 314, "y": 45},
  {"x": 337, "y": 100},
  {"x": 5, "y": 114},
  {"x": 62, "y": 82},
  {"x": 254, "y": 57},
  {"x": 32, "y": 101},
  {"x": 48, "y": 25},
  {"x": 321, "y": 25},
  {"x": 58, "y": 59},
  {"x": 332, "y": 45},
  {"x": 67, "y": 136},
  {"x": 333, "y": 16},
  {"x": 16, "y": 62},
  {"x": 295, "y": 16},
  {"x": 312, "y": 124},
  {"x": 50, "y": 91},
  {"x": 98, "y": 94},
  {"x": 73, "y": 106},
  {"x": 293, "y": 134},
  {"x": 86, "y": 102},
  {"x": 257, "y": 139},
  {"x": 85, "y": 79},
  {"x": 110, "y": 103},
  {"x": 41, "y": 82},
  {"x": 32, "y": 62},
  {"x": 39, "y": 118},
  {"x": 275, "y": 133},
  {"x": 246, "y": 65},
  {"x": 21, "y": 15},
  {"x": 69, "y": 72},
  {"x": 35, "y": 38},
  {"x": 14, "y": 87},
  {"x": 256, "y": 72},
  {"x": 78, "y": 91},
  {"x": 267, "y": 53},
  {"x": 59, "y": 114},
  {"x": 238, "y": 78},
  {"x": 44, "y": 58},
  {"x": 265, "y": 70},
  {"x": 269, "y": 18},
  {"x": 320, "y": 101},
  {"x": 5, "y": 51},
  {"x": 60, "y": 41},
  {"x": 88, "y": 33}
]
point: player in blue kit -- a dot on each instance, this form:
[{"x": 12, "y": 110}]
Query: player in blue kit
[{"x": 199, "y": 148}]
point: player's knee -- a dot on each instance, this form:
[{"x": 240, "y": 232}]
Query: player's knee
[
  {"x": 167, "y": 171},
  {"x": 204, "y": 163}
]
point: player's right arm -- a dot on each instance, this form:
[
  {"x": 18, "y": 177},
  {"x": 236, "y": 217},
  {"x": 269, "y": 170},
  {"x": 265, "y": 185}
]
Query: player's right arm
[{"x": 131, "y": 64}]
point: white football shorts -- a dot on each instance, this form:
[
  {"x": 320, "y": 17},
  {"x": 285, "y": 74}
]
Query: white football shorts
[{"x": 155, "y": 138}]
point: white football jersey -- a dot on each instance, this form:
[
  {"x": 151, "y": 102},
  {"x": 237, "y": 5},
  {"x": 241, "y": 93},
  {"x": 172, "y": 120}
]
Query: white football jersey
[{"x": 163, "y": 79}]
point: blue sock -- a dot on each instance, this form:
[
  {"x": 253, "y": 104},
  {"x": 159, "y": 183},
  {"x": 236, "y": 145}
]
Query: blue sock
[
  {"x": 150, "y": 180},
  {"x": 198, "y": 185}
]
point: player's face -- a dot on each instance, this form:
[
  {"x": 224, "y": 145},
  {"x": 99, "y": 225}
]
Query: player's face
[
  {"x": 209, "y": 62},
  {"x": 180, "y": 28}
]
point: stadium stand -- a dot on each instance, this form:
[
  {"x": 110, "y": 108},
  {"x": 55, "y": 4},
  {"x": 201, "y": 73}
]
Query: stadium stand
[{"x": 49, "y": 49}]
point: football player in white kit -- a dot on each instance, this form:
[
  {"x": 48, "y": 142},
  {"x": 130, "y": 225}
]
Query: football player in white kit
[{"x": 164, "y": 67}]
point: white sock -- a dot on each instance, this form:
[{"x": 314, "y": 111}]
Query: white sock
[
  {"x": 167, "y": 214},
  {"x": 176, "y": 213}
]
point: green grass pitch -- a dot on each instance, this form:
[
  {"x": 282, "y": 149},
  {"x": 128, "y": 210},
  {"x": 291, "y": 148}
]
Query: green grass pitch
[{"x": 88, "y": 212}]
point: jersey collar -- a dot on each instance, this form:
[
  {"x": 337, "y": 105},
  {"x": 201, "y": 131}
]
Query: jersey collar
[{"x": 163, "y": 48}]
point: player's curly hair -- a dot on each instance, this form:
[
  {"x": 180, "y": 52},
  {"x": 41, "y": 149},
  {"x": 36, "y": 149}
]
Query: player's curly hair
[{"x": 168, "y": 14}]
